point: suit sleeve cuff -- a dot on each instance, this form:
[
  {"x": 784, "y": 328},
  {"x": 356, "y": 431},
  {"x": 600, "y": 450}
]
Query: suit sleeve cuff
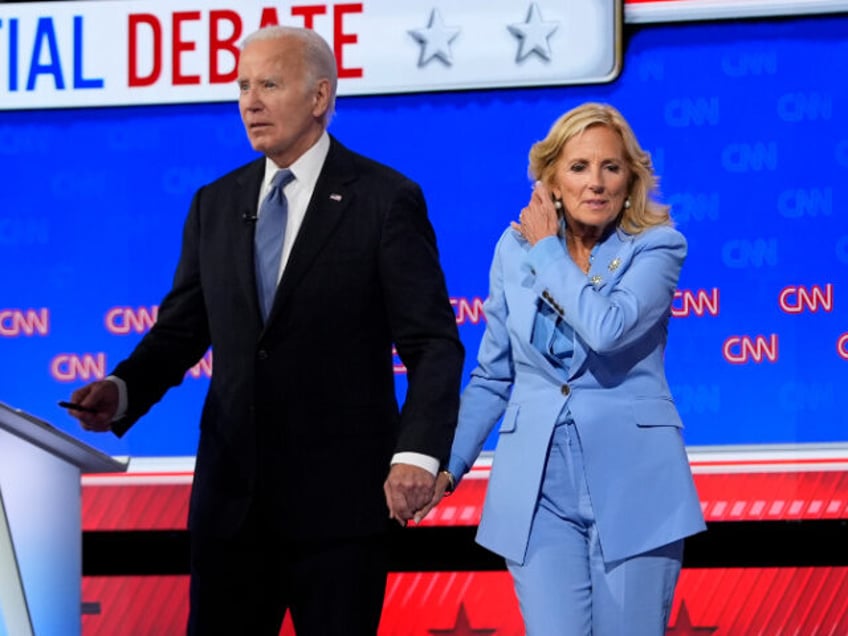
[
  {"x": 544, "y": 252},
  {"x": 457, "y": 467}
]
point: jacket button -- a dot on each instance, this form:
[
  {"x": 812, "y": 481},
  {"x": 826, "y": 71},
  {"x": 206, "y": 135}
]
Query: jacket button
[
  {"x": 262, "y": 355},
  {"x": 565, "y": 390}
]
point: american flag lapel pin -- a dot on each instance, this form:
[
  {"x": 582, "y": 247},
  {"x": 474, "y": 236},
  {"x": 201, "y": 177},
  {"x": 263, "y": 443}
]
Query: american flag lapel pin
[{"x": 336, "y": 197}]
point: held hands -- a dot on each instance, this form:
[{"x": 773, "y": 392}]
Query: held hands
[
  {"x": 412, "y": 492},
  {"x": 539, "y": 219},
  {"x": 408, "y": 489},
  {"x": 102, "y": 396},
  {"x": 443, "y": 481}
]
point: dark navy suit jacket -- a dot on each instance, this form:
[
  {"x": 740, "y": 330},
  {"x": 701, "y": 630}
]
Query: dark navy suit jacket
[{"x": 302, "y": 410}]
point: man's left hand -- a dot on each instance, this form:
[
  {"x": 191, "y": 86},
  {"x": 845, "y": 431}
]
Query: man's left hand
[{"x": 408, "y": 488}]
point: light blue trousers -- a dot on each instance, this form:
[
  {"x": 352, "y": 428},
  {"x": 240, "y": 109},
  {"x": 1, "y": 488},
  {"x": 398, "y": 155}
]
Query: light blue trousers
[{"x": 564, "y": 587}]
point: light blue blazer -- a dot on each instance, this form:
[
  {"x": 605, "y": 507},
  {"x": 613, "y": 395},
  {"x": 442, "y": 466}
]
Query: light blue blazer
[{"x": 614, "y": 389}]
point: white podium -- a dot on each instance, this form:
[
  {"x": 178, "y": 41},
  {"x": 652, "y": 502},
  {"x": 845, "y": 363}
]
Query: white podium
[{"x": 41, "y": 524}]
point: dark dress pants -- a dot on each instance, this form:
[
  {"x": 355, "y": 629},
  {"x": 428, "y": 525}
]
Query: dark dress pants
[{"x": 244, "y": 584}]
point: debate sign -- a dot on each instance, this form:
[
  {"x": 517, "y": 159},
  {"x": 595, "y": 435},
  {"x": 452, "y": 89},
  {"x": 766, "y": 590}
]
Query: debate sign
[{"x": 77, "y": 54}]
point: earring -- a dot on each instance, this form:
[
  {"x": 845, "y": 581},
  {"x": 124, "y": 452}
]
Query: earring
[
  {"x": 558, "y": 204},
  {"x": 627, "y": 203}
]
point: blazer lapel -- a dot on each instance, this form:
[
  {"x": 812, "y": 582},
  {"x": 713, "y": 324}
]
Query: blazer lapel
[
  {"x": 524, "y": 305},
  {"x": 246, "y": 197},
  {"x": 332, "y": 196},
  {"x": 611, "y": 259}
]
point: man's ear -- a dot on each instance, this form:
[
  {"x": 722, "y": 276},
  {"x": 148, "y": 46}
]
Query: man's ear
[{"x": 321, "y": 98}]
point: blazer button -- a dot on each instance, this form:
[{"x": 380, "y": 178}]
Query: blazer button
[
  {"x": 262, "y": 355},
  {"x": 565, "y": 390}
]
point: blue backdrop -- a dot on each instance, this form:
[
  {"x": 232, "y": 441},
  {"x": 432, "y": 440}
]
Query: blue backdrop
[{"x": 747, "y": 125}]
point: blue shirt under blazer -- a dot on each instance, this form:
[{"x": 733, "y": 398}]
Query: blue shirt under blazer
[{"x": 613, "y": 388}]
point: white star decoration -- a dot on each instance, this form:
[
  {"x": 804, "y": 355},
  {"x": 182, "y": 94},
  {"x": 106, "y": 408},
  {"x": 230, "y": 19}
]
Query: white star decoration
[
  {"x": 533, "y": 34},
  {"x": 435, "y": 40}
]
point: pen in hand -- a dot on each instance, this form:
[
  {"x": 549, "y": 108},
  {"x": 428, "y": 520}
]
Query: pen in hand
[{"x": 76, "y": 407}]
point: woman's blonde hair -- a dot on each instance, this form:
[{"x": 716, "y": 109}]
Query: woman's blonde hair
[{"x": 644, "y": 212}]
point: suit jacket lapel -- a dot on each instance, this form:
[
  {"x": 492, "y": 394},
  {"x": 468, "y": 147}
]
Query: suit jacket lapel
[
  {"x": 609, "y": 261},
  {"x": 246, "y": 197},
  {"x": 332, "y": 196},
  {"x": 524, "y": 305}
]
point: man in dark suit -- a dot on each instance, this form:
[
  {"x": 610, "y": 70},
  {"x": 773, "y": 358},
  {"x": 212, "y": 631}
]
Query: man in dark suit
[{"x": 303, "y": 455}]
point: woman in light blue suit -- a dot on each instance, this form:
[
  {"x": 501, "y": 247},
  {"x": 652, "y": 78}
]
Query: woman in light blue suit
[{"x": 590, "y": 494}]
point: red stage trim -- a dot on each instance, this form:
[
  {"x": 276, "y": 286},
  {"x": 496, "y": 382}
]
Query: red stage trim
[
  {"x": 733, "y": 484},
  {"x": 723, "y": 602}
]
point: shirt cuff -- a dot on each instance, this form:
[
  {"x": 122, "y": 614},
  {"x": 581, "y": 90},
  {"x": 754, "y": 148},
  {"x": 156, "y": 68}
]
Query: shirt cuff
[
  {"x": 430, "y": 464},
  {"x": 122, "y": 396}
]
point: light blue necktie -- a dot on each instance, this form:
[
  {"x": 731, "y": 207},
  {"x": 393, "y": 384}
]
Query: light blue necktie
[{"x": 268, "y": 239}]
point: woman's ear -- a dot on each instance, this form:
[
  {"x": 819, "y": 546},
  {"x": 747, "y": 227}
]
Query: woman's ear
[{"x": 557, "y": 198}]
